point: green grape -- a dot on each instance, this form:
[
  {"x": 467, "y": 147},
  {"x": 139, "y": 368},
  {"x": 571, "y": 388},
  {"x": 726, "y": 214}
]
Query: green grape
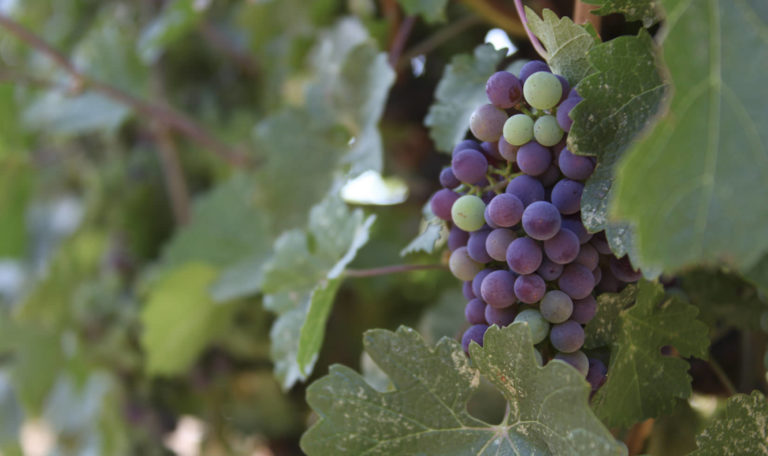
[
  {"x": 468, "y": 213},
  {"x": 518, "y": 129},
  {"x": 462, "y": 266},
  {"x": 542, "y": 90},
  {"x": 546, "y": 131},
  {"x": 538, "y": 325}
]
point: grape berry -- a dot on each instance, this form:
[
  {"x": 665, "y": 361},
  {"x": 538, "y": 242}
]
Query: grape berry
[{"x": 517, "y": 240}]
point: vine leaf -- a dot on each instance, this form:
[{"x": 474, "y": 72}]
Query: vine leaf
[
  {"x": 634, "y": 10},
  {"x": 620, "y": 99},
  {"x": 694, "y": 187},
  {"x": 433, "y": 229},
  {"x": 741, "y": 429},
  {"x": 642, "y": 382},
  {"x": 426, "y": 412},
  {"x": 567, "y": 44},
  {"x": 431, "y": 10},
  {"x": 460, "y": 91},
  {"x": 301, "y": 280}
]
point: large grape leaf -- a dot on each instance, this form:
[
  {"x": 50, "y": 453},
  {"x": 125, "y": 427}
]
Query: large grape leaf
[
  {"x": 694, "y": 187},
  {"x": 431, "y": 10},
  {"x": 567, "y": 44},
  {"x": 301, "y": 281},
  {"x": 635, "y": 10},
  {"x": 643, "y": 383},
  {"x": 740, "y": 430},
  {"x": 724, "y": 299},
  {"x": 426, "y": 413},
  {"x": 179, "y": 318},
  {"x": 459, "y": 92}
]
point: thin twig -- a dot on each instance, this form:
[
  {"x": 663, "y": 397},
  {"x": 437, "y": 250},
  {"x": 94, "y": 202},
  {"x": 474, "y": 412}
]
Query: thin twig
[
  {"x": 401, "y": 37},
  {"x": 220, "y": 42},
  {"x": 385, "y": 270},
  {"x": 164, "y": 114},
  {"x": 582, "y": 13},
  {"x": 722, "y": 376},
  {"x": 438, "y": 38},
  {"x": 175, "y": 183},
  {"x": 534, "y": 41}
]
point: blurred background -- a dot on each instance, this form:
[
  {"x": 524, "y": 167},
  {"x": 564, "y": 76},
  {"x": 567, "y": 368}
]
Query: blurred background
[{"x": 152, "y": 148}]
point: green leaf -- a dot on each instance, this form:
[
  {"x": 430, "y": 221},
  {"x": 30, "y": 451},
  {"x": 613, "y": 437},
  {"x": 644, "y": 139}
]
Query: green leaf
[
  {"x": 433, "y": 229},
  {"x": 724, "y": 299},
  {"x": 301, "y": 281},
  {"x": 459, "y": 92},
  {"x": 567, "y": 44},
  {"x": 643, "y": 383},
  {"x": 740, "y": 430},
  {"x": 634, "y": 10},
  {"x": 620, "y": 99},
  {"x": 431, "y": 11},
  {"x": 426, "y": 413},
  {"x": 177, "y": 19},
  {"x": 17, "y": 179},
  {"x": 693, "y": 188},
  {"x": 758, "y": 274},
  {"x": 179, "y": 318},
  {"x": 11, "y": 414},
  {"x": 57, "y": 113}
]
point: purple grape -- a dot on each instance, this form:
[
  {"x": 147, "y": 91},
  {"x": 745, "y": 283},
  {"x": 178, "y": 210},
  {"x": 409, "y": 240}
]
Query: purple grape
[
  {"x": 475, "y": 333},
  {"x": 576, "y": 167},
  {"x": 476, "y": 247},
  {"x": 622, "y": 269},
  {"x": 466, "y": 290},
  {"x": 448, "y": 179},
  {"x": 576, "y": 359},
  {"x": 474, "y": 312},
  {"x": 533, "y": 158},
  {"x": 530, "y": 288},
  {"x": 504, "y": 90},
  {"x": 491, "y": 150},
  {"x": 505, "y": 210},
  {"x": 601, "y": 244},
  {"x": 534, "y": 66},
  {"x": 487, "y": 122},
  {"x": 566, "y": 196},
  {"x": 608, "y": 283},
  {"x": 598, "y": 274},
  {"x": 596, "y": 374},
  {"x": 576, "y": 281},
  {"x": 478, "y": 280},
  {"x": 487, "y": 217},
  {"x": 462, "y": 266},
  {"x": 584, "y": 310},
  {"x": 566, "y": 87},
  {"x": 527, "y": 188},
  {"x": 498, "y": 289},
  {"x": 549, "y": 270},
  {"x": 457, "y": 238},
  {"x": 500, "y": 317},
  {"x": 556, "y": 306},
  {"x": 507, "y": 150},
  {"x": 574, "y": 94},
  {"x": 550, "y": 176},
  {"x": 562, "y": 248},
  {"x": 497, "y": 242},
  {"x": 567, "y": 337},
  {"x": 442, "y": 202},
  {"x": 524, "y": 255},
  {"x": 574, "y": 224},
  {"x": 588, "y": 256},
  {"x": 469, "y": 166},
  {"x": 564, "y": 111},
  {"x": 541, "y": 220},
  {"x": 467, "y": 144}
]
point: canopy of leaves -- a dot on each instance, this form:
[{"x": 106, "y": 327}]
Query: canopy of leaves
[
  {"x": 426, "y": 412},
  {"x": 431, "y": 10},
  {"x": 700, "y": 174},
  {"x": 635, "y": 10},
  {"x": 636, "y": 324},
  {"x": 741, "y": 429},
  {"x": 460, "y": 91}
]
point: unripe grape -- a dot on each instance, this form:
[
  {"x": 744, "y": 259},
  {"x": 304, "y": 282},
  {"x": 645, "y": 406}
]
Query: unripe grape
[
  {"x": 468, "y": 213},
  {"x": 487, "y": 122},
  {"x": 462, "y": 266},
  {"x": 518, "y": 129},
  {"x": 542, "y": 90},
  {"x": 546, "y": 131},
  {"x": 536, "y": 323}
]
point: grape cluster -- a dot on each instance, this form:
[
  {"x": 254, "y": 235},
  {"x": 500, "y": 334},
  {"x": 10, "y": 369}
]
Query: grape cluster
[{"x": 513, "y": 198}]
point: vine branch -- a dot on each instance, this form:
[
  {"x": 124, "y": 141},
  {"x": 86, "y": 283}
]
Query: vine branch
[
  {"x": 168, "y": 116},
  {"x": 385, "y": 270},
  {"x": 534, "y": 41}
]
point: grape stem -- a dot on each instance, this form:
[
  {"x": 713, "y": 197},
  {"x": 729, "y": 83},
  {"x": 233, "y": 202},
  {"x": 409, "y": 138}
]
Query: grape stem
[
  {"x": 394, "y": 269},
  {"x": 534, "y": 41}
]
